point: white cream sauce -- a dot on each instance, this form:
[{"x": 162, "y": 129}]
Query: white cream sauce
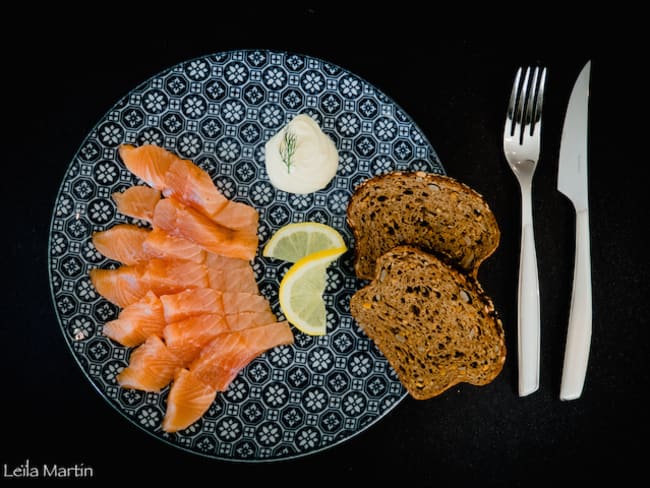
[{"x": 301, "y": 158}]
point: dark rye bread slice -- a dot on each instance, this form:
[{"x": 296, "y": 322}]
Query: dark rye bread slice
[
  {"x": 433, "y": 212},
  {"x": 434, "y": 324}
]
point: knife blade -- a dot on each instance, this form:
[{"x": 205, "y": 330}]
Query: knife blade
[{"x": 572, "y": 182}]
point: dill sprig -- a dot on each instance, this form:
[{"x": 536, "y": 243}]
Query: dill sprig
[{"x": 288, "y": 148}]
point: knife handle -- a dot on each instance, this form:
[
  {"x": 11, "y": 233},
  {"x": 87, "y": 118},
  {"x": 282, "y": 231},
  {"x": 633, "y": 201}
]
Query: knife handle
[
  {"x": 578, "y": 339},
  {"x": 528, "y": 324}
]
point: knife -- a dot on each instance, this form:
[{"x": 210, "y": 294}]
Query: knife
[{"x": 572, "y": 182}]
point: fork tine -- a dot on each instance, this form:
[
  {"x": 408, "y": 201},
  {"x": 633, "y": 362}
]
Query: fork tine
[
  {"x": 540, "y": 100},
  {"x": 535, "y": 101},
  {"x": 510, "y": 119},
  {"x": 530, "y": 103},
  {"x": 521, "y": 107}
]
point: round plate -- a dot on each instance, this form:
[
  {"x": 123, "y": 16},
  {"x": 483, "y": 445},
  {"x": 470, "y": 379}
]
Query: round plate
[{"x": 219, "y": 111}]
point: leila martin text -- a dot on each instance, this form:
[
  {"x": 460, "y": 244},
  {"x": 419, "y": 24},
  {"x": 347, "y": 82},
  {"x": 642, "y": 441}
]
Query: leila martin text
[{"x": 29, "y": 470}]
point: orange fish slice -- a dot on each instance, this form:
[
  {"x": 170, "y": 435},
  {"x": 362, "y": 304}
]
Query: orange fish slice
[
  {"x": 227, "y": 354},
  {"x": 230, "y": 274},
  {"x": 159, "y": 244},
  {"x": 128, "y": 284},
  {"x": 237, "y": 302},
  {"x": 148, "y": 162},
  {"x": 217, "y": 262},
  {"x": 189, "y": 303},
  {"x": 238, "y": 216},
  {"x": 188, "y": 400},
  {"x": 182, "y": 221},
  {"x": 137, "y": 202},
  {"x": 245, "y": 320},
  {"x": 163, "y": 276},
  {"x": 187, "y": 337},
  {"x": 175, "y": 177},
  {"x": 187, "y": 183},
  {"x": 151, "y": 366},
  {"x": 137, "y": 321},
  {"x": 193, "y": 186},
  {"x": 122, "y": 286},
  {"x": 123, "y": 243},
  {"x": 194, "y": 390}
]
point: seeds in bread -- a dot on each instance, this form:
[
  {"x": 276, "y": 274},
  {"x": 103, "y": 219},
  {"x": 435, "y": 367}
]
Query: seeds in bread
[
  {"x": 434, "y": 324},
  {"x": 433, "y": 212}
]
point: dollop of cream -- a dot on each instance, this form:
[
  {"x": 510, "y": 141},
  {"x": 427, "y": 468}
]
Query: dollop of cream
[{"x": 301, "y": 158}]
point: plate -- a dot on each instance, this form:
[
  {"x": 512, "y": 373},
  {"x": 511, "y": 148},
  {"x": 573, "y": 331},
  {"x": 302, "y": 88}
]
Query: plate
[{"x": 219, "y": 110}]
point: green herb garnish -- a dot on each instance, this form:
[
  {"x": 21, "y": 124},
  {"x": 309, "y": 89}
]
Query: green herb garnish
[{"x": 288, "y": 148}]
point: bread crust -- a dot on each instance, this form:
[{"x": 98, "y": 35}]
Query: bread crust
[
  {"x": 435, "y": 213},
  {"x": 434, "y": 324}
]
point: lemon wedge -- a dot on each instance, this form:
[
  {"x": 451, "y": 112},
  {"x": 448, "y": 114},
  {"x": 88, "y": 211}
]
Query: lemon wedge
[
  {"x": 295, "y": 241},
  {"x": 301, "y": 291}
]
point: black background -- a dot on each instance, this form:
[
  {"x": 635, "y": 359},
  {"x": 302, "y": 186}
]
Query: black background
[{"x": 59, "y": 81}]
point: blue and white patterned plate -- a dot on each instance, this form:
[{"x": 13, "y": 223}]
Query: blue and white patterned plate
[{"x": 219, "y": 111}]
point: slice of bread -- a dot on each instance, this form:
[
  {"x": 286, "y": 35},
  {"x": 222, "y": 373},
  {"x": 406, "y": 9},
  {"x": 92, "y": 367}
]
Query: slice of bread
[
  {"x": 434, "y": 324},
  {"x": 433, "y": 212}
]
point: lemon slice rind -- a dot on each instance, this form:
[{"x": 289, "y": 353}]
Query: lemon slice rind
[
  {"x": 298, "y": 240},
  {"x": 301, "y": 291}
]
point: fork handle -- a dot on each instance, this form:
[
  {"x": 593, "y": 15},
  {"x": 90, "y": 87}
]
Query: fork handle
[
  {"x": 576, "y": 354},
  {"x": 528, "y": 327}
]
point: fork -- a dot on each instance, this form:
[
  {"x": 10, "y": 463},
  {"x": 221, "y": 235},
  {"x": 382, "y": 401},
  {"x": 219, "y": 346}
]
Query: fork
[{"x": 521, "y": 143}]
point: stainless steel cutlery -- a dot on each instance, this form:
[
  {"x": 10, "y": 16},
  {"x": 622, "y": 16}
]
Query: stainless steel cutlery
[
  {"x": 521, "y": 145},
  {"x": 572, "y": 181}
]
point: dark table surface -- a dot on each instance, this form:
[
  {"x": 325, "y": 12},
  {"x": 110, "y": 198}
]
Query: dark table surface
[{"x": 456, "y": 90}]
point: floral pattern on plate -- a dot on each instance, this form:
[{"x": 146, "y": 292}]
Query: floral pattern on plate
[{"x": 219, "y": 111}]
